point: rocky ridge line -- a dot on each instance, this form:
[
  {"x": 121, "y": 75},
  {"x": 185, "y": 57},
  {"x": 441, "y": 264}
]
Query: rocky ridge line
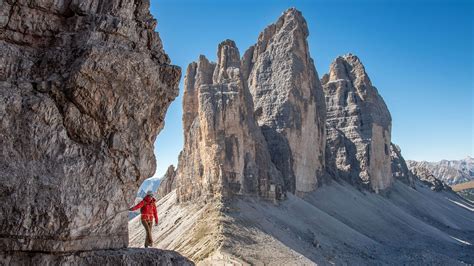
[{"x": 450, "y": 172}]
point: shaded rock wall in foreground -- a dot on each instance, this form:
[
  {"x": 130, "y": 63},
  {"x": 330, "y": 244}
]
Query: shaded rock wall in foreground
[
  {"x": 84, "y": 87},
  {"x": 130, "y": 256}
]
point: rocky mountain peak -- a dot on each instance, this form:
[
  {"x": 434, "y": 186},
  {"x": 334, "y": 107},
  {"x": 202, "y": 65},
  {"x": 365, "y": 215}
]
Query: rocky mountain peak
[
  {"x": 170, "y": 171},
  {"x": 274, "y": 95},
  {"x": 228, "y": 62},
  {"x": 349, "y": 67},
  {"x": 288, "y": 100},
  {"x": 292, "y": 19},
  {"x": 359, "y": 125},
  {"x": 197, "y": 73},
  {"x": 451, "y": 172},
  {"x": 291, "y": 22},
  {"x": 224, "y": 152},
  {"x": 423, "y": 173},
  {"x": 205, "y": 70},
  {"x": 167, "y": 183}
]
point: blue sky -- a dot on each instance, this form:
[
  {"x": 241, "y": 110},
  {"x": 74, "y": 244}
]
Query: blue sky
[{"x": 419, "y": 54}]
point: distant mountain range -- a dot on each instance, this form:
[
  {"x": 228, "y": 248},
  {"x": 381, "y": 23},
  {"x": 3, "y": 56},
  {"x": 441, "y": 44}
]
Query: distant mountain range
[{"x": 450, "y": 172}]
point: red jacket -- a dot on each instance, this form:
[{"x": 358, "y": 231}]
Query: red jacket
[{"x": 147, "y": 208}]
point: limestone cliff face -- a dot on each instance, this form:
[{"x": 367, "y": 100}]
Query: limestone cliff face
[
  {"x": 224, "y": 150},
  {"x": 359, "y": 126},
  {"x": 84, "y": 87},
  {"x": 288, "y": 100},
  {"x": 168, "y": 182}
]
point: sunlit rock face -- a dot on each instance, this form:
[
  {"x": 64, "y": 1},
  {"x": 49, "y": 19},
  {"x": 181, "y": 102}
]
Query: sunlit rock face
[
  {"x": 168, "y": 182},
  {"x": 224, "y": 151},
  {"x": 84, "y": 87},
  {"x": 288, "y": 100},
  {"x": 359, "y": 126},
  {"x": 254, "y": 125}
]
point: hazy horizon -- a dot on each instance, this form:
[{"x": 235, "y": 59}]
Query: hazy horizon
[{"x": 418, "y": 54}]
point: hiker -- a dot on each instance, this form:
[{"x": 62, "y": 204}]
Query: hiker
[{"x": 148, "y": 212}]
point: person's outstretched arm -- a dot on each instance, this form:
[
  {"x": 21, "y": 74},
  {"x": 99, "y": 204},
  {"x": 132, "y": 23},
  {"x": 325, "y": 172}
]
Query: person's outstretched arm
[{"x": 138, "y": 206}]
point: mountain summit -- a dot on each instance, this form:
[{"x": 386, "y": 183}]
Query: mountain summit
[
  {"x": 359, "y": 126},
  {"x": 224, "y": 152},
  {"x": 288, "y": 101}
]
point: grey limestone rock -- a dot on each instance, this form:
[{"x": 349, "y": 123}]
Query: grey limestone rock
[
  {"x": 288, "y": 100},
  {"x": 224, "y": 151},
  {"x": 168, "y": 182},
  {"x": 358, "y": 126},
  {"x": 130, "y": 256},
  {"x": 84, "y": 87}
]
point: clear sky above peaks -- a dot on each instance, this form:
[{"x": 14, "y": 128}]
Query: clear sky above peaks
[{"x": 419, "y": 54}]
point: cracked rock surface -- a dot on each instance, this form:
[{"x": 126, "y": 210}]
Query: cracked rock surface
[
  {"x": 84, "y": 87},
  {"x": 288, "y": 101},
  {"x": 167, "y": 183},
  {"x": 359, "y": 126},
  {"x": 130, "y": 256},
  {"x": 224, "y": 151}
]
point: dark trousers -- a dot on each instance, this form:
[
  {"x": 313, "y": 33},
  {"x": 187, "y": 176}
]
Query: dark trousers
[{"x": 148, "y": 224}]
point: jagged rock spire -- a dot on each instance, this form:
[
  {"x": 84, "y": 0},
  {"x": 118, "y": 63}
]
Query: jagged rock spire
[
  {"x": 224, "y": 151},
  {"x": 289, "y": 101},
  {"x": 228, "y": 62},
  {"x": 359, "y": 125},
  {"x": 168, "y": 182}
]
